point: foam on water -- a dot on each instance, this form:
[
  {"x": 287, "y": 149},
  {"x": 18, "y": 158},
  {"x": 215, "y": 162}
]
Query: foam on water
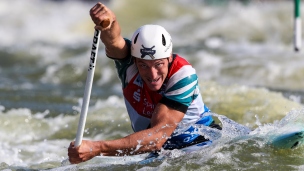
[
  {"x": 31, "y": 132},
  {"x": 243, "y": 103},
  {"x": 25, "y": 137},
  {"x": 33, "y": 28}
]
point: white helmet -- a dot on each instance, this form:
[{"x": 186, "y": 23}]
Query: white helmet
[{"x": 151, "y": 42}]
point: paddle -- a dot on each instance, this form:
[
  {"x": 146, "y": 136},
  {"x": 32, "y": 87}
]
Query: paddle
[
  {"x": 89, "y": 82},
  {"x": 88, "y": 88}
]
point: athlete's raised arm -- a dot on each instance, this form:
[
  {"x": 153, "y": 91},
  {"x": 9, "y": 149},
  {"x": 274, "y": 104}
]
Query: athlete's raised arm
[{"x": 106, "y": 22}]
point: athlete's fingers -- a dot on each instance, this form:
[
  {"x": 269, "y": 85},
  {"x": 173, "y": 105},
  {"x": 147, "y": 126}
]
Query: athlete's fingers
[
  {"x": 96, "y": 8},
  {"x": 95, "y": 13},
  {"x": 73, "y": 153},
  {"x": 75, "y": 160},
  {"x": 100, "y": 15}
]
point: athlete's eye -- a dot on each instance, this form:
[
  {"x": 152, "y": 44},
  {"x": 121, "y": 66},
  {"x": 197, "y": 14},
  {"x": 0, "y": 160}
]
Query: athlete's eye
[
  {"x": 143, "y": 65},
  {"x": 159, "y": 65}
]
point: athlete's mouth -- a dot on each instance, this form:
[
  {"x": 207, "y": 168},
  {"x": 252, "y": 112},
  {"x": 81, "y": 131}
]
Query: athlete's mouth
[{"x": 153, "y": 80}]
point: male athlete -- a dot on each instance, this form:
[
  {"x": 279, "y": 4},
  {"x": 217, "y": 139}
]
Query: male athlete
[{"x": 160, "y": 90}]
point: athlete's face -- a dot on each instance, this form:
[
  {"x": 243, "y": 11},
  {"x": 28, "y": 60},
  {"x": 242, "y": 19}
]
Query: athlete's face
[{"x": 153, "y": 72}]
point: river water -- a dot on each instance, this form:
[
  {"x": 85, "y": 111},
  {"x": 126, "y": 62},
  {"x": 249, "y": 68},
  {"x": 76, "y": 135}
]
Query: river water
[{"x": 243, "y": 54}]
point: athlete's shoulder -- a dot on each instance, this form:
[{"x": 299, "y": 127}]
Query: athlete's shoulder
[
  {"x": 180, "y": 65},
  {"x": 179, "y": 61},
  {"x": 182, "y": 82}
]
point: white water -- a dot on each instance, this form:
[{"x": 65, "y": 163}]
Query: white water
[{"x": 239, "y": 52}]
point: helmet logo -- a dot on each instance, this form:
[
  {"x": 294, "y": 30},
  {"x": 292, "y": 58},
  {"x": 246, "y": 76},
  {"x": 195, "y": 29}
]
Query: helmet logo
[{"x": 147, "y": 51}]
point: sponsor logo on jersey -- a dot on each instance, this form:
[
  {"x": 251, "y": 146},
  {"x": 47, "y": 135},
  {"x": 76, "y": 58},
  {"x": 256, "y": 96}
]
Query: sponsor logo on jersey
[
  {"x": 138, "y": 81},
  {"x": 136, "y": 95},
  {"x": 148, "y": 107}
]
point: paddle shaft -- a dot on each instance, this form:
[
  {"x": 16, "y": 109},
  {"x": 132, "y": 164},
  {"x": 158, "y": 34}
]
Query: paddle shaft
[{"x": 88, "y": 88}]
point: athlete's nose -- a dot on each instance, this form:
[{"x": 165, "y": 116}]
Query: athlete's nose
[{"x": 153, "y": 73}]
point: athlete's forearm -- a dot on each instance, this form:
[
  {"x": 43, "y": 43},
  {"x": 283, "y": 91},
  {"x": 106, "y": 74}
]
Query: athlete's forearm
[
  {"x": 152, "y": 139},
  {"x": 114, "y": 43},
  {"x": 141, "y": 142}
]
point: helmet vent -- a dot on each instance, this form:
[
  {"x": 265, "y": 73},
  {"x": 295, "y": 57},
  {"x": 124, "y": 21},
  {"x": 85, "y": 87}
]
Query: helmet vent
[
  {"x": 163, "y": 40},
  {"x": 135, "y": 39}
]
